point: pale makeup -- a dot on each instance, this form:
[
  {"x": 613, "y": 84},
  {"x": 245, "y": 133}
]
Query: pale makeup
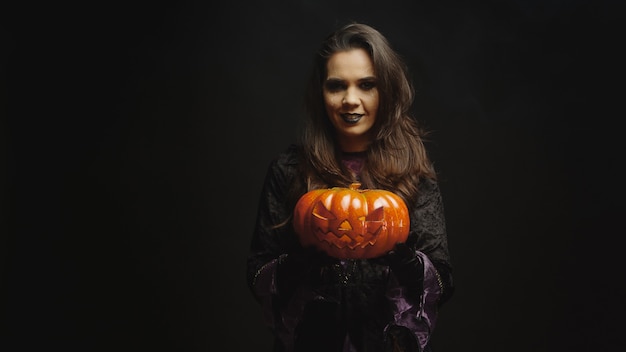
[{"x": 351, "y": 98}]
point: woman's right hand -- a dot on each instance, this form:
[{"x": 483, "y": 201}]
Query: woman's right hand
[{"x": 299, "y": 266}]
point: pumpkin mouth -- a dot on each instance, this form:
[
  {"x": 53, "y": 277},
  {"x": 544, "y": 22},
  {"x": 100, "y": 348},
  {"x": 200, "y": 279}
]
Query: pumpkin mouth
[{"x": 342, "y": 241}]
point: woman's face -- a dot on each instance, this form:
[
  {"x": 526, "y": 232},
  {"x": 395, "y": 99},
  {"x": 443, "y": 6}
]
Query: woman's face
[{"x": 351, "y": 98}]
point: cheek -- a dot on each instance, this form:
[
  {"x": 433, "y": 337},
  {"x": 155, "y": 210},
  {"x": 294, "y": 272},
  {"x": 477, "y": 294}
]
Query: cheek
[
  {"x": 331, "y": 101},
  {"x": 372, "y": 101}
]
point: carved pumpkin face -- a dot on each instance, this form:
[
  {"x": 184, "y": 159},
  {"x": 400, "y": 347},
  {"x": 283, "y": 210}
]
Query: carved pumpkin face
[{"x": 351, "y": 223}]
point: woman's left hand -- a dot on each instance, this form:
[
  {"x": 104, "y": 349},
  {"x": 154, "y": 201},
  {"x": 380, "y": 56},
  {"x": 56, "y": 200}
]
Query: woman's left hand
[{"x": 407, "y": 267}]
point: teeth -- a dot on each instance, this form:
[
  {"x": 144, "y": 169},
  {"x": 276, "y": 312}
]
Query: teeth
[{"x": 351, "y": 118}]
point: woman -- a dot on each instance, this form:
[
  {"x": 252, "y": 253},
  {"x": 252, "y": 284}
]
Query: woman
[{"x": 358, "y": 129}]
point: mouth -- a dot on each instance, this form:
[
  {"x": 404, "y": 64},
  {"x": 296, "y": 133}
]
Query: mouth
[{"x": 351, "y": 118}]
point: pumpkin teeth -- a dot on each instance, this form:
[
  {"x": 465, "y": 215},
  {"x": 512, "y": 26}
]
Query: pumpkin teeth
[{"x": 344, "y": 241}]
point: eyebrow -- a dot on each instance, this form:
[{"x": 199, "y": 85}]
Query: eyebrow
[{"x": 364, "y": 79}]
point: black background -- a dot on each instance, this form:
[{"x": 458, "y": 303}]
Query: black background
[{"x": 139, "y": 135}]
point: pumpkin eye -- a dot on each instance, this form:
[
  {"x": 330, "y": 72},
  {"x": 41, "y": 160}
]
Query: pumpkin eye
[
  {"x": 377, "y": 215},
  {"x": 320, "y": 212}
]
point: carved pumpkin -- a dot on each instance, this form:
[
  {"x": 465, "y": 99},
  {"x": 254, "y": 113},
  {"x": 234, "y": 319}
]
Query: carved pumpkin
[{"x": 351, "y": 223}]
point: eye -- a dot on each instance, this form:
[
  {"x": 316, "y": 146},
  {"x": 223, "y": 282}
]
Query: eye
[
  {"x": 368, "y": 85},
  {"x": 334, "y": 86}
]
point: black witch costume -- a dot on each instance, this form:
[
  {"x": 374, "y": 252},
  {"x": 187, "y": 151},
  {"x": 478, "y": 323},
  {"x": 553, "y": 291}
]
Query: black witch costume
[{"x": 348, "y": 305}]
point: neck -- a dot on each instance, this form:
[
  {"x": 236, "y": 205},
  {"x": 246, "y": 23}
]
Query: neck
[{"x": 354, "y": 145}]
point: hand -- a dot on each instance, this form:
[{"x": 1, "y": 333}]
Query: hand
[
  {"x": 397, "y": 335},
  {"x": 296, "y": 267},
  {"x": 408, "y": 268}
]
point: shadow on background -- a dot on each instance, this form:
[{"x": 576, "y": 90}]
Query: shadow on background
[{"x": 136, "y": 160}]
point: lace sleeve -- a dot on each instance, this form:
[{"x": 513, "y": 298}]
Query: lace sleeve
[{"x": 428, "y": 233}]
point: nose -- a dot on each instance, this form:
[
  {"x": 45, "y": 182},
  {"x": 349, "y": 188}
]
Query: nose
[{"x": 351, "y": 97}]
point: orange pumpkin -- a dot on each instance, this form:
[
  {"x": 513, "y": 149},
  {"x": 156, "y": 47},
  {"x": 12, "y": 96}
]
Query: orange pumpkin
[{"x": 351, "y": 223}]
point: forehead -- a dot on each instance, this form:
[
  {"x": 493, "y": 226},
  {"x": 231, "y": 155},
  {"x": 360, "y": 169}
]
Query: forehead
[{"x": 350, "y": 63}]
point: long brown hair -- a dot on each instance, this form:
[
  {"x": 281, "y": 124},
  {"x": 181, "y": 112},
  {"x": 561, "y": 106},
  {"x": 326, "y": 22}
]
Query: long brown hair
[{"x": 397, "y": 158}]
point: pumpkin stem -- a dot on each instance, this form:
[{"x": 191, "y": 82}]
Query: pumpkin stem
[{"x": 355, "y": 185}]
